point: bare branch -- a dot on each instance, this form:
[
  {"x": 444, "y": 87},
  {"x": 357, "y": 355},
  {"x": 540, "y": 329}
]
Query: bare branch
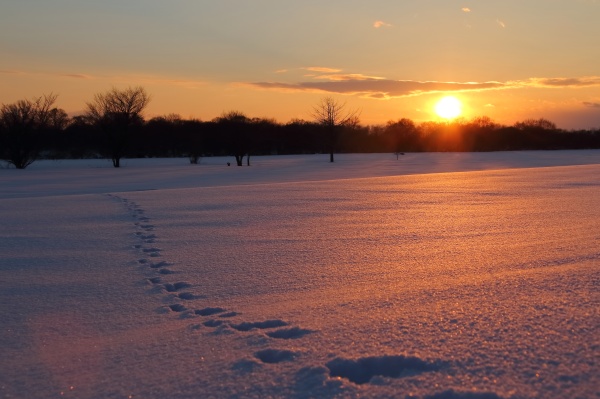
[
  {"x": 130, "y": 103},
  {"x": 332, "y": 115},
  {"x": 330, "y": 112}
]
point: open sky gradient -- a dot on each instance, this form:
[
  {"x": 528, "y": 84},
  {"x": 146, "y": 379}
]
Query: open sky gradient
[{"x": 509, "y": 60}]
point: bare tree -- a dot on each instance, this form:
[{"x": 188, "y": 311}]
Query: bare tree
[
  {"x": 117, "y": 113},
  {"x": 22, "y": 124},
  {"x": 333, "y": 116}
]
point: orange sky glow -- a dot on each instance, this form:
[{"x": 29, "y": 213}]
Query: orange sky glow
[{"x": 506, "y": 61}]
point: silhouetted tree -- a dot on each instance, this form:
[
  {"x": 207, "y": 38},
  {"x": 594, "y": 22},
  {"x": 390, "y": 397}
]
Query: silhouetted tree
[
  {"x": 403, "y": 135},
  {"x": 80, "y": 139},
  {"x": 262, "y": 137},
  {"x": 169, "y": 136},
  {"x": 235, "y": 125},
  {"x": 429, "y": 133},
  {"x": 117, "y": 113},
  {"x": 192, "y": 137},
  {"x": 22, "y": 125},
  {"x": 30, "y": 129},
  {"x": 541, "y": 124},
  {"x": 333, "y": 116},
  {"x": 481, "y": 134},
  {"x": 54, "y": 141},
  {"x": 537, "y": 134},
  {"x": 300, "y": 137}
]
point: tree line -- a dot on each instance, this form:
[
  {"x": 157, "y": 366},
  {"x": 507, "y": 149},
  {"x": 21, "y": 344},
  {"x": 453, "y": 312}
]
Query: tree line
[{"x": 113, "y": 127}]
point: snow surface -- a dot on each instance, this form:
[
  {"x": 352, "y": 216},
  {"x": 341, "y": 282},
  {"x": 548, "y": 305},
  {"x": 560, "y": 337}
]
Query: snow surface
[{"x": 467, "y": 276}]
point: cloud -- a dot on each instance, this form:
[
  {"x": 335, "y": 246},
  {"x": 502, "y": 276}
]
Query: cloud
[
  {"x": 77, "y": 76},
  {"x": 566, "y": 82},
  {"x": 378, "y": 88},
  {"x": 591, "y": 105},
  {"x": 381, "y": 24},
  {"x": 501, "y": 23},
  {"x": 322, "y": 69},
  {"x": 281, "y": 71},
  {"x": 382, "y": 88},
  {"x": 348, "y": 76},
  {"x": 466, "y": 9}
]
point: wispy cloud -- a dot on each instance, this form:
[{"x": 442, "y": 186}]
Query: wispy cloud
[
  {"x": 591, "y": 105},
  {"x": 348, "y": 76},
  {"x": 566, "y": 82},
  {"x": 378, "y": 88},
  {"x": 381, "y": 24},
  {"x": 501, "y": 23},
  {"x": 466, "y": 9},
  {"x": 381, "y": 88},
  {"x": 322, "y": 69}
]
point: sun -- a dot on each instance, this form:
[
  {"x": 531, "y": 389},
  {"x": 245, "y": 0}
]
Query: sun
[{"x": 448, "y": 107}]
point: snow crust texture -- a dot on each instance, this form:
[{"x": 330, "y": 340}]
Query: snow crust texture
[{"x": 460, "y": 285}]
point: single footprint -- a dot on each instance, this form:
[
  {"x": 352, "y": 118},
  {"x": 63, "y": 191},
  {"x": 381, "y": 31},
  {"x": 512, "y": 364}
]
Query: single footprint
[
  {"x": 149, "y": 250},
  {"x": 188, "y": 296},
  {"x": 209, "y": 311},
  {"x": 160, "y": 264},
  {"x": 177, "y": 286},
  {"x": 245, "y": 326},
  {"x": 166, "y": 271},
  {"x": 275, "y": 355},
  {"x": 229, "y": 314},
  {"x": 360, "y": 371},
  {"x": 213, "y": 323},
  {"x": 177, "y": 307},
  {"x": 289, "y": 333}
]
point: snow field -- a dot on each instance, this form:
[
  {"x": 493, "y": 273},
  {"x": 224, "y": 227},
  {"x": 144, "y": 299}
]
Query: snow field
[{"x": 456, "y": 285}]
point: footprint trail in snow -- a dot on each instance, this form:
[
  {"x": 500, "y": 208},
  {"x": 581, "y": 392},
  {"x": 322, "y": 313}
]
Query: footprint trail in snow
[{"x": 180, "y": 301}]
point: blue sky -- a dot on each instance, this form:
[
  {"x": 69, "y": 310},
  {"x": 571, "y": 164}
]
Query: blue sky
[{"x": 509, "y": 60}]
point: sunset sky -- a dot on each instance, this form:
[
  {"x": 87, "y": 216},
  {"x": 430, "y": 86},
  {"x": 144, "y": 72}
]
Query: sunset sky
[{"x": 391, "y": 59}]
